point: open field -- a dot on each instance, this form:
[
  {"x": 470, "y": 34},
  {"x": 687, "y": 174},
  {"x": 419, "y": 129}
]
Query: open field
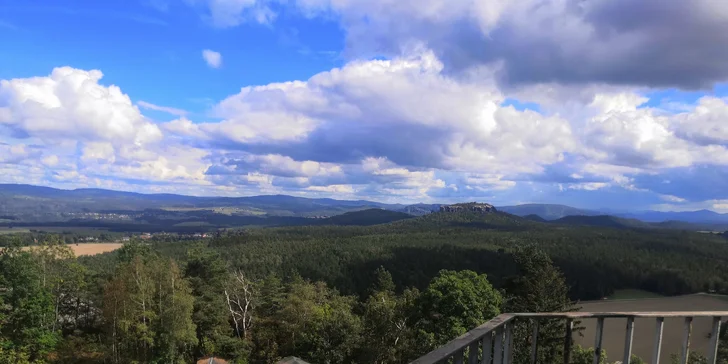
[
  {"x": 7, "y": 231},
  {"x": 644, "y": 329},
  {"x": 219, "y": 210},
  {"x": 632, "y": 294},
  {"x": 54, "y": 229},
  {"x": 94, "y": 248},
  {"x": 90, "y": 248}
]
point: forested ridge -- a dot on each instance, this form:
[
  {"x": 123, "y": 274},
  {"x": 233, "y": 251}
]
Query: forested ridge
[
  {"x": 595, "y": 261},
  {"x": 330, "y": 294}
]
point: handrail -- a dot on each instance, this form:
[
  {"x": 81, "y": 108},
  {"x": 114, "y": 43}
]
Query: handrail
[
  {"x": 464, "y": 340},
  {"x": 495, "y": 338},
  {"x": 586, "y": 315}
]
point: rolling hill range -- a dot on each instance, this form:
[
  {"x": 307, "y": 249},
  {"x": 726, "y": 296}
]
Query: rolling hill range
[
  {"x": 546, "y": 211},
  {"x": 34, "y": 204},
  {"x": 603, "y": 221}
]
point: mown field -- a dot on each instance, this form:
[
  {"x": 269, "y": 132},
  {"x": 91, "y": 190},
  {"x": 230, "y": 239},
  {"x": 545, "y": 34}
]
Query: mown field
[
  {"x": 90, "y": 248},
  {"x": 644, "y": 330},
  {"x": 632, "y": 294}
]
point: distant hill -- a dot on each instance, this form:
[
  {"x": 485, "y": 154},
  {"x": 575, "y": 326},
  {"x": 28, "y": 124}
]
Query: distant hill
[
  {"x": 420, "y": 209},
  {"x": 366, "y": 217},
  {"x": 700, "y": 216},
  {"x": 496, "y": 220},
  {"x": 35, "y": 203},
  {"x": 546, "y": 211},
  {"x": 534, "y": 217},
  {"x": 602, "y": 221}
]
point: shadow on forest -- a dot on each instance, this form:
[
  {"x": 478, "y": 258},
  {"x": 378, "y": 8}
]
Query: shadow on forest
[
  {"x": 415, "y": 266},
  {"x": 487, "y": 226}
]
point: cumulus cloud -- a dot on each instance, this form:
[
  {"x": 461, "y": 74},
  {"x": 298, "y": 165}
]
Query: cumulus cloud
[
  {"x": 71, "y": 104},
  {"x": 405, "y": 110},
  {"x": 678, "y": 43},
  {"x": 87, "y": 132},
  {"x": 212, "y": 58},
  {"x": 403, "y": 129}
]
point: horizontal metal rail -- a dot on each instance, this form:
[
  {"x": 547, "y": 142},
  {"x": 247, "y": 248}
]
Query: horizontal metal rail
[{"x": 492, "y": 342}]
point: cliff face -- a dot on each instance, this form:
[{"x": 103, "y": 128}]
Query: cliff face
[{"x": 472, "y": 206}]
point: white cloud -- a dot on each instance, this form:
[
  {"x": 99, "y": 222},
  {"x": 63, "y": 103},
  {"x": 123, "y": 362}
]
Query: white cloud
[
  {"x": 168, "y": 110},
  {"x": 706, "y": 123},
  {"x": 212, "y": 58},
  {"x": 71, "y": 104},
  {"x": 671, "y": 198},
  {"x": 229, "y": 13},
  {"x": 50, "y": 160},
  {"x": 84, "y": 131},
  {"x": 397, "y": 130},
  {"x": 405, "y": 110},
  {"x": 589, "y": 186}
]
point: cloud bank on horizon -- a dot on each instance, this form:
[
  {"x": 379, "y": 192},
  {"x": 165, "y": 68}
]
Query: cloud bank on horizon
[{"x": 594, "y": 103}]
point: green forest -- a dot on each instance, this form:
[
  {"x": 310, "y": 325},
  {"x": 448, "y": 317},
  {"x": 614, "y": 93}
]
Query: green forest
[{"x": 331, "y": 294}]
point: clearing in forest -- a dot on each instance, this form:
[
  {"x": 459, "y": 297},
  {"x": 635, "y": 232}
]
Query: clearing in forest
[{"x": 90, "y": 248}]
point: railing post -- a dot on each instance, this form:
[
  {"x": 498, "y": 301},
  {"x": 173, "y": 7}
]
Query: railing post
[
  {"x": 508, "y": 344},
  {"x": 498, "y": 346},
  {"x": 598, "y": 340},
  {"x": 534, "y": 342},
  {"x": 713, "y": 353},
  {"x": 473, "y": 353},
  {"x": 628, "y": 340},
  {"x": 567, "y": 340},
  {"x": 458, "y": 357},
  {"x": 487, "y": 348},
  {"x": 658, "y": 340},
  {"x": 686, "y": 341}
]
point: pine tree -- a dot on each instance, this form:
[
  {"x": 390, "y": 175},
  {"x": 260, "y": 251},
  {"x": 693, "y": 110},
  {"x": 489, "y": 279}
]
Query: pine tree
[{"x": 537, "y": 287}]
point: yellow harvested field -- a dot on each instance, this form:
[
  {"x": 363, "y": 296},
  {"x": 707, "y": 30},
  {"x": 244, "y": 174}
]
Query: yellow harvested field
[
  {"x": 94, "y": 248},
  {"x": 90, "y": 248},
  {"x": 644, "y": 328}
]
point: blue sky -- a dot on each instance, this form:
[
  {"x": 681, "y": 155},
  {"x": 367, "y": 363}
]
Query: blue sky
[
  {"x": 407, "y": 101},
  {"x": 139, "y": 48}
]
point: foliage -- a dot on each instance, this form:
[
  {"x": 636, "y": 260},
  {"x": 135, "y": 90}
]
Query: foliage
[
  {"x": 694, "y": 357},
  {"x": 537, "y": 287},
  {"x": 208, "y": 275},
  {"x": 332, "y": 294},
  {"x": 580, "y": 355},
  {"x": 454, "y": 303},
  {"x": 148, "y": 312},
  {"x": 388, "y": 336},
  {"x": 27, "y": 315}
]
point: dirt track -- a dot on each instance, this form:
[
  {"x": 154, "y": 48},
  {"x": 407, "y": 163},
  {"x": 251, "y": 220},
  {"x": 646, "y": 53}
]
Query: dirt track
[{"x": 644, "y": 330}]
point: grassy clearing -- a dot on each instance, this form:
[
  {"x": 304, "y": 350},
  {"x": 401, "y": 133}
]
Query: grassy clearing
[
  {"x": 77, "y": 230},
  {"x": 632, "y": 294},
  {"x": 7, "y": 231},
  {"x": 82, "y": 249},
  {"x": 193, "y": 223}
]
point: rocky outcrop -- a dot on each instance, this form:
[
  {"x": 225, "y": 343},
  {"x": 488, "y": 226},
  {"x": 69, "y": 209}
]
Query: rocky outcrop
[{"x": 471, "y": 206}]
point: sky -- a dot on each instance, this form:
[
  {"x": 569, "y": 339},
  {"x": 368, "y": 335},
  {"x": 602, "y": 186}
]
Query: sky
[{"x": 614, "y": 104}]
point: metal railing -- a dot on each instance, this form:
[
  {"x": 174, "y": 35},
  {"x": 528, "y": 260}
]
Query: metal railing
[{"x": 492, "y": 342}]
